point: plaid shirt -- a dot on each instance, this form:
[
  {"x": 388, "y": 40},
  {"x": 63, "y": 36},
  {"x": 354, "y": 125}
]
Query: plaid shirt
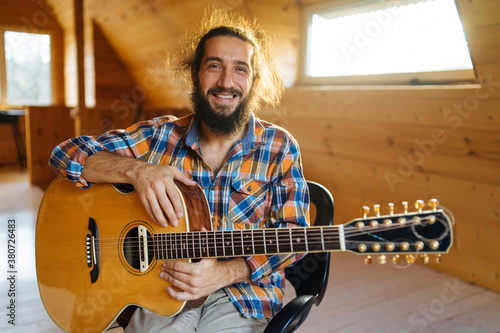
[{"x": 260, "y": 185}]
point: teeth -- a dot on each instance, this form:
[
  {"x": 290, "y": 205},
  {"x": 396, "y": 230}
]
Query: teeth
[{"x": 225, "y": 96}]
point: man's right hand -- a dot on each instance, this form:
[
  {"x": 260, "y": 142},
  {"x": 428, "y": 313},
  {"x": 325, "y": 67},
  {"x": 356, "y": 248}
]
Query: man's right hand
[
  {"x": 156, "y": 188},
  {"x": 154, "y": 184}
]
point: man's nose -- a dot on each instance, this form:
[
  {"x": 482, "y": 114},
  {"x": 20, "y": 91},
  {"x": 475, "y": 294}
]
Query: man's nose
[{"x": 226, "y": 79}]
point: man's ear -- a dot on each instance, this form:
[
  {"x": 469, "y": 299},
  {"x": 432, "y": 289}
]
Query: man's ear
[{"x": 256, "y": 81}]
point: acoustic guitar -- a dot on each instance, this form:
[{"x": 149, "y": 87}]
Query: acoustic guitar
[{"x": 97, "y": 250}]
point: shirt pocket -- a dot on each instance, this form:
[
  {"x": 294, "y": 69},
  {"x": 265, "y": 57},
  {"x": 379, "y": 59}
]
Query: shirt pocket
[{"x": 247, "y": 202}]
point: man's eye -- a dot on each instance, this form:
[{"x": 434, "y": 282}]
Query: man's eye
[{"x": 214, "y": 66}]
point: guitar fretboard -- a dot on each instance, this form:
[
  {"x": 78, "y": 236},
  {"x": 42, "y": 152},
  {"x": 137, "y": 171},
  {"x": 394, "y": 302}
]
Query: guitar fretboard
[{"x": 237, "y": 243}]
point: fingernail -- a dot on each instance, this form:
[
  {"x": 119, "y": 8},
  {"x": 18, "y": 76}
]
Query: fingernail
[
  {"x": 164, "y": 225},
  {"x": 179, "y": 214},
  {"x": 174, "y": 223},
  {"x": 162, "y": 275}
]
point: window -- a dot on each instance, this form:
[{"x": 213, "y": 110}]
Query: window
[
  {"x": 386, "y": 42},
  {"x": 25, "y": 68}
]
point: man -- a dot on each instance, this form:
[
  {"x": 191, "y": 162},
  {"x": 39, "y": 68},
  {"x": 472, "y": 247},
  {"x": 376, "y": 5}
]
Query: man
[{"x": 250, "y": 172}]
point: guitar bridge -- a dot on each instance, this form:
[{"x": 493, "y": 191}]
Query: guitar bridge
[
  {"x": 143, "y": 248},
  {"x": 92, "y": 245}
]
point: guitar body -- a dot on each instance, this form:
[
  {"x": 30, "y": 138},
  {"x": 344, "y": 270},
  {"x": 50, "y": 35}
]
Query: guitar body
[{"x": 86, "y": 275}]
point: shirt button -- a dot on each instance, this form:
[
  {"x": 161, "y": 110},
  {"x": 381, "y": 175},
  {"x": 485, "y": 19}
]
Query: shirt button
[{"x": 249, "y": 188}]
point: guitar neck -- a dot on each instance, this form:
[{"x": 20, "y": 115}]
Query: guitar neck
[{"x": 238, "y": 243}]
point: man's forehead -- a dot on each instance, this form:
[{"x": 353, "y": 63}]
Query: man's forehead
[{"x": 228, "y": 46}]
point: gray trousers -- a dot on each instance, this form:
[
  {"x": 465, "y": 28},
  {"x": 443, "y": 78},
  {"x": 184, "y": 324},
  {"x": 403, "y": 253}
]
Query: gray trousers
[{"x": 218, "y": 314}]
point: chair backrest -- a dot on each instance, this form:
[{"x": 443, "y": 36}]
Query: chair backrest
[{"x": 310, "y": 275}]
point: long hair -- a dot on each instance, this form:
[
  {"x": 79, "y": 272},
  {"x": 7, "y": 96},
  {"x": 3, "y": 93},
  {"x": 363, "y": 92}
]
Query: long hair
[{"x": 220, "y": 22}]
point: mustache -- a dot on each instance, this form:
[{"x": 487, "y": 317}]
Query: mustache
[{"x": 220, "y": 90}]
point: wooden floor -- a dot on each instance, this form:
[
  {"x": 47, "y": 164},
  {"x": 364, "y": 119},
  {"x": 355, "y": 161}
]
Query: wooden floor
[{"x": 360, "y": 298}]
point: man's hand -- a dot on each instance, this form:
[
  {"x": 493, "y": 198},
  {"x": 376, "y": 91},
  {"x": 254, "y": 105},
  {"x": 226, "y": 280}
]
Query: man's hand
[
  {"x": 200, "y": 279},
  {"x": 156, "y": 189},
  {"x": 154, "y": 184}
]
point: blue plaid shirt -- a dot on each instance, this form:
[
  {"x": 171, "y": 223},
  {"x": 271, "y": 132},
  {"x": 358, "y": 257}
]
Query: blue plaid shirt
[{"x": 260, "y": 185}]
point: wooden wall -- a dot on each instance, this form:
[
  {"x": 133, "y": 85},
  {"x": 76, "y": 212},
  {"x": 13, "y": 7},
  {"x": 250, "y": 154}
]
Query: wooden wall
[{"x": 381, "y": 145}]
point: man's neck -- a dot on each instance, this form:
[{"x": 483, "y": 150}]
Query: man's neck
[{"x": 215, "y": 147}]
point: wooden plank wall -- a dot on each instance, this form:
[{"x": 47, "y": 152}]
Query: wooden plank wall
[{"x": 381, "y": 145}]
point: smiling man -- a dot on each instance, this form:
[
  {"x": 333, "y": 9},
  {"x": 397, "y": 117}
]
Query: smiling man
[{"x": 250, "y": 171}]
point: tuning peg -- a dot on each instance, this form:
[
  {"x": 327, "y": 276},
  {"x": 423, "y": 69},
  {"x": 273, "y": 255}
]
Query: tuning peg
[
  {"x": 433, "y": 203},
  {"x": 361, "y": 247},
  {"x": 410, "y": 258},
  {"x": 382, "y": 259},
  {"x": 405, "y": 207},
  {"x": 376, "y": 209},
  {"x": 434, "y": 245},
  {"x": 419, "y": 205},
  {"x": 368, "y": 260},
  {"x": 438, "y": 258},
  {"x": 391, "y": 209},
  {"x": 396, "y": 259},
  {"x": 364, "y": 211},
  {"x": 425, "y": 258},
  {"x": 419, "y": 245},
  {"x": 404, "y": 246}
]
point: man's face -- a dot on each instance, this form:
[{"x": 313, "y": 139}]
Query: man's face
[{"x": 225, "y": 81}]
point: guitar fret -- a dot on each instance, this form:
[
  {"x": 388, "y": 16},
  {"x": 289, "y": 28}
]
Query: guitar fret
[
  {"x": 322, "y": 239},
  {"x": 253, "y": 242},
  {"x": 160, "y": 246},
  {"x": 232, "y": 241},
  {"x": 176, "y": 248},
  {"x": 223, "y": 244},
  {"x": 264, "y": 240},
  {"x": 172, "y": 246},
  {"x": 291, "y": 240},
  {"x": 242, "y": 242},
  {"x": 277, "y": 242},
  {"x": 215, "y": 243},
  {"x": 305, "y": 237}
]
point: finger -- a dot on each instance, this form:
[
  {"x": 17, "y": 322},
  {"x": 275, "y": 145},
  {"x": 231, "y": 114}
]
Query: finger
[
  {"x": 180, "y": 295},
  {"x": 155, "y": 208},
  {"x": 166, "y": 209},
  {"x": 145, "y": 203},
  {"x": 171, "y": 266},
  {"x": 175, "y": 201},
  {"x": 178, "y": 284},
  {"x": 183, "y": 178}
]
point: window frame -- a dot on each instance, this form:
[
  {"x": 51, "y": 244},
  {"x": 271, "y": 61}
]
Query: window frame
[
  {"x": 438, "y": 78},
  {"x": 3, "y": 66}
]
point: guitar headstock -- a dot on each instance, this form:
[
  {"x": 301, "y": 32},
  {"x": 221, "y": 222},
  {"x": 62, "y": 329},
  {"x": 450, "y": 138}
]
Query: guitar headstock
[{"x": 402, "y": 236}]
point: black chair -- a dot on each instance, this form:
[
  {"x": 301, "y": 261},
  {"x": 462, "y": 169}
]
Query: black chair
[{"x": 309, "y": 276}]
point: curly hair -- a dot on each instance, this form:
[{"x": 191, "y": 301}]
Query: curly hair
[{"x": 220, "y": 22}]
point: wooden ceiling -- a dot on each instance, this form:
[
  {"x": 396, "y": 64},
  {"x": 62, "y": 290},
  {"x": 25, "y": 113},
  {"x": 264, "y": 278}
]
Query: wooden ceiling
[{"x": 142, "y": 32}]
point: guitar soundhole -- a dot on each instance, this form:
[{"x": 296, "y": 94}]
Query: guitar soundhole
[{"x": 133, "y": 248}]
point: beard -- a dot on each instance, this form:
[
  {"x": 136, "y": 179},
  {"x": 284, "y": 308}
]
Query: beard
[{"x": 220, "y": 123}]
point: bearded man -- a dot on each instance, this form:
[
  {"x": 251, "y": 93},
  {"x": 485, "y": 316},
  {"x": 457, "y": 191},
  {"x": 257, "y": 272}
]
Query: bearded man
[{"x": 250, "y": 171}]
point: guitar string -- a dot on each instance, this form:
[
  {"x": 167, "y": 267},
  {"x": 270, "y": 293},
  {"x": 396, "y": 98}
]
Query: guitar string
[{"x": 207, "y": 246}]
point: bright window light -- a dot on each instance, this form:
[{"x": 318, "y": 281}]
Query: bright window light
[
  {"x": 388, "y": 37},
  {"x": 28, "y": 68}
]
